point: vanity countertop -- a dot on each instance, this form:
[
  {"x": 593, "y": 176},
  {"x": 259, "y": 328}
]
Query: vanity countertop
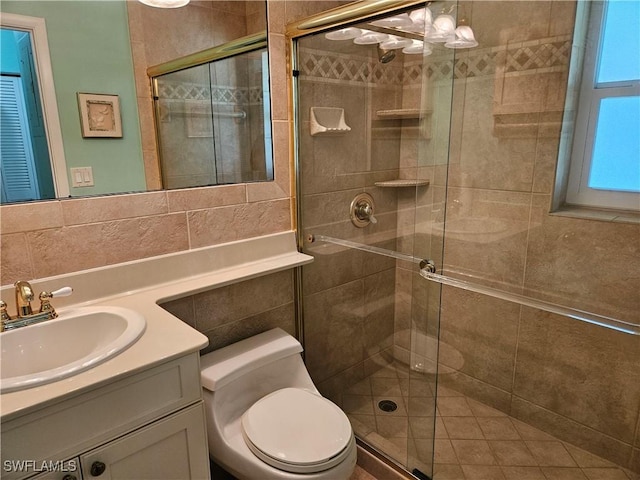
[{"x": 141, "y": 286}]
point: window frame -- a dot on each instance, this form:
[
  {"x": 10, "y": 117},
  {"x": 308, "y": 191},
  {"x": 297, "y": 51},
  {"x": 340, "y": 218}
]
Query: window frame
[{"x": 590, "y": 94}]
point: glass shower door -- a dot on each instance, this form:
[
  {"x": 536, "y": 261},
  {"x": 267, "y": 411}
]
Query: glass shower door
[
  {"x": 372, "y": 153},
  {"x": 507, "y": 317}
]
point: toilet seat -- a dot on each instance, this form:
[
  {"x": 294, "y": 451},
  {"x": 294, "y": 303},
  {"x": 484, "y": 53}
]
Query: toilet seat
[{"x": 297, "y": 431}]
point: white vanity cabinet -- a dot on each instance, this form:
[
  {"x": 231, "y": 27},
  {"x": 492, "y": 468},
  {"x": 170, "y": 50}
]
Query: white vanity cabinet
[
  {"x": 149, "y": 425},
  {"x": 163, "y": 450}
]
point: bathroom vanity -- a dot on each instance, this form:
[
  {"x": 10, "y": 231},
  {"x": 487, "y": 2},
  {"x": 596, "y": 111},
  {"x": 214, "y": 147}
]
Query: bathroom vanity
[
  {"x": 146, "y": 425},
  {"x": 138, "y": 414}
]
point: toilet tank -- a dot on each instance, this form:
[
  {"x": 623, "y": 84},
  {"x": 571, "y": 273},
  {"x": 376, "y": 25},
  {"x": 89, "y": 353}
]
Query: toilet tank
[
  {"x": 223, "y": 366},
  {"x": 236, "y": 376}
]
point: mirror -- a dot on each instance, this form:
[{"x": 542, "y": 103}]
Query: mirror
[
  {"x": 206, "y": 101},
  {"x": 105, "y": 48}
]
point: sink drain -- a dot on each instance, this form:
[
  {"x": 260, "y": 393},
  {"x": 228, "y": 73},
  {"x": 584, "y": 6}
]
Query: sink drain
[{"x": 387, "y": 405}]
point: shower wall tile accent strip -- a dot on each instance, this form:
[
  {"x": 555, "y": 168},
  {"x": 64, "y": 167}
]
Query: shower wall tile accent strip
[
  {"x": 355, "y": 69},
  {"x": 219, "y": 94},
  {"x": 536, "y": 56},
  {"x": 184, "y": 91}
]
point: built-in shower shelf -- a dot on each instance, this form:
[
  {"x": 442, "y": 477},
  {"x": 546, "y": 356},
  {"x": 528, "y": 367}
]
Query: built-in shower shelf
[
  {"x": 328, "y": 121},
  {"x": 402, "y": 113},
  {"x": 403, "y": 183}
]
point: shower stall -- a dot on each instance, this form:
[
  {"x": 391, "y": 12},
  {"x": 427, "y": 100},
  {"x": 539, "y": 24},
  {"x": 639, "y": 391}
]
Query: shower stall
[{"x": 466, "y": 331}]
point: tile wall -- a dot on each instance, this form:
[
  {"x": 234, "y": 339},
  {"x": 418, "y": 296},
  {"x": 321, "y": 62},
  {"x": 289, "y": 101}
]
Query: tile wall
[
  {"x": 349, "y": 295},
  {"x": 229, "y": 314},
  {"x": 576, "y": 381}
]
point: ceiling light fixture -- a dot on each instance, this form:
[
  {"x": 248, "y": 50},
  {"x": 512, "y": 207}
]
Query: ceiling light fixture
[
  {"x": 165, "y": 3},
  {"x": 442, "y": 29}
]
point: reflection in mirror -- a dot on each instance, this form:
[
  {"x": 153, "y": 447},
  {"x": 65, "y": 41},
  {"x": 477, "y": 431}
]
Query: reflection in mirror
[
  {"x": 94, "y": 59},
  {"x": 32, "y": 156},
  {"x": 201, "y": 114},
  {"x": 118, "y": 41},
  {"x": 22, "y": 129}
]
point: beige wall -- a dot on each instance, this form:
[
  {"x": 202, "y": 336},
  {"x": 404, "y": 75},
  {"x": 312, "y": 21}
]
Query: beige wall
[
  {"x": 349, "y": 295},
  {"x": 229, "y": 314},
  {"x": 577, "y": 381}
]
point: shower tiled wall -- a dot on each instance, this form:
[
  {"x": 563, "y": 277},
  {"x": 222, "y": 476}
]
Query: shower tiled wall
[
  {"x": 358, "y": 306},
  {"x": 200, "y": 149},
  {"x": 577, "y": 381},
  {"x": 348, "y": 294}
]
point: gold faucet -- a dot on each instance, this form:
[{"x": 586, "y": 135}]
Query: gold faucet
[
  {"x": 24, "y": 297},
  {"x": 25, "y": 315}
]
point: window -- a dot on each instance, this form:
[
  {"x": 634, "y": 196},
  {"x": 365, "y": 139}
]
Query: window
[{"x": 605, "y": 157}]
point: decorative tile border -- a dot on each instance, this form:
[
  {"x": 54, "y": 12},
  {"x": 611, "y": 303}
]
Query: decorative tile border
[
  {"x": 320, "y": 64},
  {"x": 183, "y": 91},
  {"x": 546, "y": 53},
  {"x": 554, "y": 53},
  {"x": 219, "y": 95}
]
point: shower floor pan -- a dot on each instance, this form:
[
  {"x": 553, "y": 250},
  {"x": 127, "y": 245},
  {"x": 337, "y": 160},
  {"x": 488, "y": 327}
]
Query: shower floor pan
[{"x": 472, "y": 440}]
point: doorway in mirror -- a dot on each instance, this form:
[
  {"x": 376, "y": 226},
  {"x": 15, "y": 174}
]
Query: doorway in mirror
[{"x": 25, "y": 165}]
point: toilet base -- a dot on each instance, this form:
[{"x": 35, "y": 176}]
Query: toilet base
[{"x": 235, "y": 457}]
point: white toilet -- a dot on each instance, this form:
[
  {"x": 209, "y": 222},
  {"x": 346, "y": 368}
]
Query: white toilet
[{"x": 265, "y": 417}]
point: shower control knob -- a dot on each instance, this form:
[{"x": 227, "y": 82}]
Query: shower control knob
[{"x": 362, "y": 210}]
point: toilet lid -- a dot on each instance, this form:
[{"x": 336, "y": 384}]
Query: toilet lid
[{"x": 297, "y": 428}]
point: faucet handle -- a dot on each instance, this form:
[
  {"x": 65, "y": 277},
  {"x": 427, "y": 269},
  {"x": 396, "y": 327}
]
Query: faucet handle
[
  {"x": 61, "y": 292},
  {"x": 45, "y": 297}
]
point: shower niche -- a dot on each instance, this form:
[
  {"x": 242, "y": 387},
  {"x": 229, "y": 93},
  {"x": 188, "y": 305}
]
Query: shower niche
[{"x": 327, "y": 121}]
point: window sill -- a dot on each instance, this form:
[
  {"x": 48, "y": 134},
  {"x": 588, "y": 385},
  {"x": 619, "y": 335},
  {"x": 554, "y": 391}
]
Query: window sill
[{"x": 603, "y": 215}]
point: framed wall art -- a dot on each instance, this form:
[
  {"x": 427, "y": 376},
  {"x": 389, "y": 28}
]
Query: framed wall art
[{"x": 100, "y": 115}]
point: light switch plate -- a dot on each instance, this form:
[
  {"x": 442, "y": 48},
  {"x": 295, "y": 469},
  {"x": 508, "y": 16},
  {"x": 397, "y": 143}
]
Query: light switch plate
[{"x": 82, "y": 177}]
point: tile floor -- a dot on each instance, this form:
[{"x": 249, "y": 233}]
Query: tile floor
[{"x": 472, "y": 441}]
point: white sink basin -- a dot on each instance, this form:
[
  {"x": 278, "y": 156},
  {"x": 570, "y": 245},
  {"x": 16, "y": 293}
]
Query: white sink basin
[{"x": 79, "y": 339}]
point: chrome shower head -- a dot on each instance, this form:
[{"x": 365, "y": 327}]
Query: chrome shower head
[{"x": 385, "y": 56}]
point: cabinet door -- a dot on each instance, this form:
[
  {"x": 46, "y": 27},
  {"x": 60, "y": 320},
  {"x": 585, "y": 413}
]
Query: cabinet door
[{"x": 172, "y": 448}]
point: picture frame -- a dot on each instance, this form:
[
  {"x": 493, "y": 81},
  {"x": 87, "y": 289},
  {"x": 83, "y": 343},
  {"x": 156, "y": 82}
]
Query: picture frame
[{"x": 100, "y": 115}]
